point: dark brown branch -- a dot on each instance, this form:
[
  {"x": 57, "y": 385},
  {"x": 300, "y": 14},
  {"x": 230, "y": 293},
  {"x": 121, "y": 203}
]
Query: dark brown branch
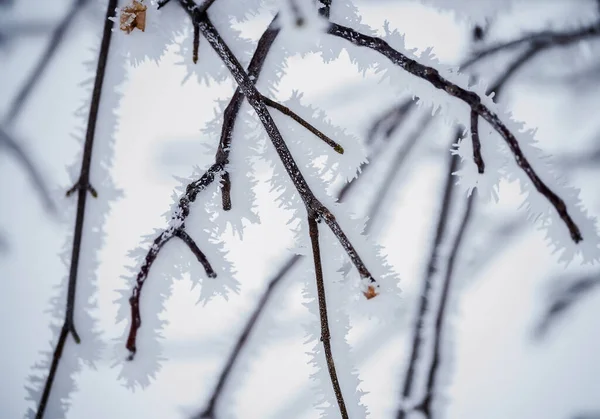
[
  {"x": 425, "y": 406},
  {"x": 84, "y": 185},
  {"x": 313, "y": 205},
  {"x": 432, "y": 76},
  {"x": 196, "y": 44},
  {"x": 36, "y": 75},
  {"x": 325, "y": 333},
  {"x": 210, "y": 272},
  {"x": 191, "y": 192},
  {"x": 195, "y": 187},
  {"x": 476, "y": 143},
  {"x": 432, "y": 267},
  {"x": 287, "y": 111},
  {"x": 38, "y": 181},
  {"x": 209, "y": 411}
]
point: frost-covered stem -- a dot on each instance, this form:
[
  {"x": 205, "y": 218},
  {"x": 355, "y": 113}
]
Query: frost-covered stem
[
  {"x": 255, "y": 100},
  {"x": 477, "y": 157},
  {"x": 209, "y": 411},
  {"x": 191, "y": 192},
  {"x": 287, "y": 111},
  {"x": 42, "y": 64},
  {"x": 425, "y": 405},
  {"x": 11, "y": 144},
  {"x": 191, "y": 244},
  {"x": 432, "y": 267},
  {"x": 472, "y": 99},
  {"x": 231, "y": 112},
  {"x": 82, "y": 186},
  {"x": 195, "y": 187},
  {"x": 313, "y": 229},
  {"x": 543, "y": 40}
]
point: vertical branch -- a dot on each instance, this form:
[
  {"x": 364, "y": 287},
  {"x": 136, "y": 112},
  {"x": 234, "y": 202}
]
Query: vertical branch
[
  {"x": 425, "y": 406},
  {"x": 325, "y": 333},
  {"x": 82, "y": 186},
  {"x": 432, "y": 266}
]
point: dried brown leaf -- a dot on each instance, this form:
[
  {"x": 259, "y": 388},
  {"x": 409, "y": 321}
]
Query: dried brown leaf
[{"x": 133, "y": 16}]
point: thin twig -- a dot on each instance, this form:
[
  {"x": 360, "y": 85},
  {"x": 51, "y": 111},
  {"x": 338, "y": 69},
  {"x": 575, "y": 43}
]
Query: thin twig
[
  {"x": 210, "y": 272},
  {"x": 287, "y": 111},
  {"x": 432, "y": 267},
  {"x": 325, "y": 333},
  {"x": 209, "y": 411},
  {"x": 83, "y": 187},
  {"x": 36, "y": 75},
  {"x": 425, "y": 406},
  {"x": 38, "y": 181},
  {"x": 472, "y": 99},
  {"x": 476, "y": 143},
  {"x": 191, "y": 192},
  {"x": 197, "y": 186},
  {"x": 196, "y": 44}
]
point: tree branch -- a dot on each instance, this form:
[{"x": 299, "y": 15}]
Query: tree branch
[
  {"x": 195, "y": 187},
  {"x": 325, "y": 333},
  {"x": 197, "y": 252},
  {"x": 313, "y": 205},
  {"x": 432, "y": 76},
  {"x": 425, "y": 406},
  {"x": 287, "y": 111},
  {"x": 476, "y": 143},
  {"x": 83, "y": 187},
  {"x": 432, "y": 267}
]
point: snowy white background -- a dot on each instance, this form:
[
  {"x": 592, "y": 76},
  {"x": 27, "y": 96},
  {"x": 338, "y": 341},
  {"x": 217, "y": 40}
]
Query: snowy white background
[{"x": 492, "y": 368}]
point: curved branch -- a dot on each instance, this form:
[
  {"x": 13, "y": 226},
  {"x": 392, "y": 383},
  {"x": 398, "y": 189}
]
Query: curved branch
[{"x": 432, "y": 76}]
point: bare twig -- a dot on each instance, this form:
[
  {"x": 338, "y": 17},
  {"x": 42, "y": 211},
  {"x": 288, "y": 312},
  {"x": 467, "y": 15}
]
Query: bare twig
[
  {"x": 36, "y": 75},
  {"x": 325, "y": 333},
  {"x": 13, "y": 147},
  {"x": 191, "y": 192},
  {"x": 197, "y": 252},
  {"x": 287, "y": 111},
  {"x": 83, "y": 185},
  {"x": 432, "y": 76}
]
